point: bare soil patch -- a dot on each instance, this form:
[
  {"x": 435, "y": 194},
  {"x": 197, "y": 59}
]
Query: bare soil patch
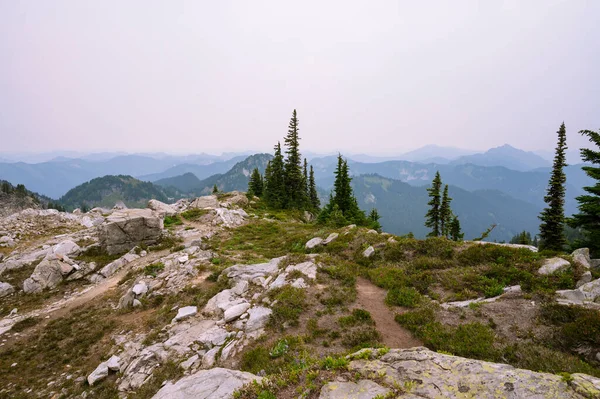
[{"x": 372, "y": 299}]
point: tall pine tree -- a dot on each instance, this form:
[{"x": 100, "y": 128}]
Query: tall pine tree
[
  {"x": 588, "y": 218},
  {"x": 255, "y": 185},
  {"x": 454, "y": 230},
  {"x": 445, "y": 213},
  {"x": 294, "y": 180},
  {"x": 433, "y": 215},
  {"x": 553, "y": 216},
  {"x": 274, "y": 190},
  {"x": 315, "y": 203}
]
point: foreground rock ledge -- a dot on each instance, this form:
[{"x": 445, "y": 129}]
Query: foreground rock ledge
[{"x": 434, "y": 375}]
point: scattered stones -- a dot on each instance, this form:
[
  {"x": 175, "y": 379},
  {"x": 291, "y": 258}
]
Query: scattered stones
[
  {"x": 258, "y": 318},
  {"x": 208, "y": 201},
  {"x": 235, "y": 311},
  {"x": 161, "y": 208},
  {"x": 140, "y": 288},
  {"x": 582, "y": 256},
  {"x": 330, "y": 238},
  {"x": 6, "y": 289},
  {"x": 585, "y": 278},
  {"x": 100, "y": 373},
  {"x": 47, "y": 274},
  {"x": 230, "y": 217},
  {"x": 369, "y": 252},
  {"x": 313, "y": 243},
  {"x": 553, "y": 265},
  {"x": 185, "y": 312},
  {"x": 125, "y": 229},
  {"x": 207, "y": 384},
  {"x": 66, "y": 248},
  {"x": 586, "y": 294},
  {"x": 114, "y": 363}
]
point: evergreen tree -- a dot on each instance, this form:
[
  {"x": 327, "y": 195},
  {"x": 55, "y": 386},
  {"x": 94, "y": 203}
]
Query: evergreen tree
[
  {"x": 523, "y": 238},
  {"x": 588, "y": 218},
  {"x": 343, "y": 200},
  {"x": 274, "y": 190},
  {"x": 433, "y": 215},
  {"x": 306, "y": 189},
  {"x": 374, "y": 218},
  {"x": 315, "y": 203},
  {"x": 295, "y": 197},
  {"x": 6, "y": 187},
  {"x": 215, "y": 189},
  {"x": 445, "y": 213},
  {"x": 454, "y": 230},
  {"x": 255, "y": 185},
  {"x": 553, "y": 216},
  {"x": 21, "y": 190}
]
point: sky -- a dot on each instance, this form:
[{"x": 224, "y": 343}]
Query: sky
[{"x": 377, "y": 77}]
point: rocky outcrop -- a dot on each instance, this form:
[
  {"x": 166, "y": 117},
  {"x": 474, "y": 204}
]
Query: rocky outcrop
[
  {"x": 208, "y": 201},
  {"x": 432, "y": 375},
  {"x": 6, "y": 289},
  {"x": 516, "y": 246},
  {"x": 230, "y": 217},
  {"x": 125, "y": 229},
  {"x": 553, "y": 265},
  {"x": 48, "y": 274},
  {"x": 363, "y": 389},
  {"x": 313, "y": 243},
  {"x": 582, "y": 256},
  {"x": 586, "y": 294},
  {"x": 161, "y": 208},
  {"x": 207, "y": 384}
]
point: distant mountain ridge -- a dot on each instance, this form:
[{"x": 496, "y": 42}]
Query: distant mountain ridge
[
  {"x": 106, "y": 191},
  {"x": 402, "y": 208},
  {"x": 506, "y": 156}
]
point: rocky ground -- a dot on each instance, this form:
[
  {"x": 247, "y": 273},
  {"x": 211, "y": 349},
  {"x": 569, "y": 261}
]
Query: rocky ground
[{"x": 221, "y": 298}]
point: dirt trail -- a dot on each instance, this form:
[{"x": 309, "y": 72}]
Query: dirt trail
[{"x": 372, "y": 298}]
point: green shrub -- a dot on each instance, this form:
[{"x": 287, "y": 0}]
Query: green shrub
[
  {"x": 193, "y": 214},
  {"x": 362, "y": 337},
  {"x": 24, "y": 324},
  {"x": 154, "y": 269},
  {"x": 290, "y": 303},
  {"x": 172, "y": 221},
  {"x": 403, "y": 296},
  {"x": 358, "y": 316}
]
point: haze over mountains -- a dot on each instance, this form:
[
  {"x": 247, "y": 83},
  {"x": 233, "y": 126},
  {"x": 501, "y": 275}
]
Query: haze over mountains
[{"x": 503, "y": 185}]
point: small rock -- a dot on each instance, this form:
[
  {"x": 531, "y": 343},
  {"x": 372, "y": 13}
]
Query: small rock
[
  {"x": 136, "y": 303},
  {"x": 369, "y": 252},
  {"x": 235, "y": 311},
  {"x": 372, "y": 232},
  {"x": 140, "y": 288},
  {"x": 315, "y": 242},
  {"x": 585, "y": 278},
  {"x": 185, "y": 312},
  {"x": 183, "y": 259},
  {"x": 331, "y": 237},
  {"x": 100, "y": 373},
  {"x": 114, "y": 363},
  {"x": 6, "y": 289},
  {"x": 553, "y": 265}
]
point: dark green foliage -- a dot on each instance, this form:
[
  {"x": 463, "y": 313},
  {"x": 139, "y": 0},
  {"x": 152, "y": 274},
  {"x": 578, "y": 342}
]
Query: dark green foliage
[
  {"x": 193, "y": 213},
  {"x": 255, "y": 185},
  {"x": 291, "y": 302},
  {"x": 454, "y": 230},
  {"x": 589, "y": 204},
  {"x": 486, "y": 233},
  {"x": 362, "y": 337},
  {"x": 403, "y": 296},
  {"x": 295, "y": 187},
  {"x": 358, "y": 316},
  {"x": 445, "y": 213},
  {"x": 433, "y": 214},
  {"x": 523, "y": 238},
  {"x": 342, "y": 208},
  {"x": 374, "y": 218},
  {"x": 274, "y": 190},
  {"x": 215, "y": 189},
  {"x": 154, "y": 269},
  {"x": 312, "y": 191},
  {"x": 172, "y": 221},
  {"x": 553, "y": 216},
  {"x": 106, "y": 191}
]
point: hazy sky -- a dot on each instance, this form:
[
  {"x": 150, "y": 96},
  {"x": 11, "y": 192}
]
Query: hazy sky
[{"x": 365, "y": 76}]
